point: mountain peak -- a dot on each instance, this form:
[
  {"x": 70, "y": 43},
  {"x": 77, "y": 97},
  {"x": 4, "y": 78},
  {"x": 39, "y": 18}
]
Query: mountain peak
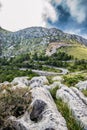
[{"x": 34, "y": 39}]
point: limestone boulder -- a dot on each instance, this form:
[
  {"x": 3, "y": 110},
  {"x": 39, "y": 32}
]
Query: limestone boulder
[
  {"x": 76, "y": 102},
  {"x": 42, "y": 113},
  {"x": 82, "y": 85},
  {"x": 20, "y": 82},
  {"x": 38, "y": 81}
]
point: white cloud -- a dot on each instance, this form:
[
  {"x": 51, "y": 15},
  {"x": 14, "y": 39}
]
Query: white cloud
[
  {"x": 18, "y": 14},
  {"x": 49, "y": 12},
  {"x": 76, "y": 10}
]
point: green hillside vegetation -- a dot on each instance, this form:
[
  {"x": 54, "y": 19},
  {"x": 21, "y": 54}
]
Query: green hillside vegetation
[
  {"x": 71, "y": 80},
  {"x": 77, "y": 51}
]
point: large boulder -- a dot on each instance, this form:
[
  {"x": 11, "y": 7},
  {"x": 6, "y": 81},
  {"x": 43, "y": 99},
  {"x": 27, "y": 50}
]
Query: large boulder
[
  {"x": 76, "y": 102},
  {"x": 80, "y": 94},
  {"x": 20, "y": 82},
  {"x": 82, "y": 85},
  {"x": 38, "y": 81},
  {"x": 42, "y": 113}
]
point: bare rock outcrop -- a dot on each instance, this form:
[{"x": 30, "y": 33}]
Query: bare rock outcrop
[
  {"x": 82, "y": 85},
  {"x": 20, "y": 82},
  {"x": 38, "y": 81},
  {"x": 76, "y": 102},
  {"x": 42, "y": 113}
]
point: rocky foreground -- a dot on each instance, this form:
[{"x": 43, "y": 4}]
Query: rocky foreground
[{"x": 42, "y": 113}]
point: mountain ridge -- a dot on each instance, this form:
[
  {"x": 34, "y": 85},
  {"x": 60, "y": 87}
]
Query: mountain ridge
[{"x": 32, "y": 39}]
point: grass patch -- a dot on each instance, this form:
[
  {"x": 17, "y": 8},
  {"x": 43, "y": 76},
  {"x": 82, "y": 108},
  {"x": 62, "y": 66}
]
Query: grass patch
[
  {"x": 84, "y": 92},
  {"x": 13, "y": 103},
  {"x": 53, "y": 92},
  {"x": 77, "y": 51},
  {"x": 49, "y": 78},
  {"x": 72, "y": 124}
]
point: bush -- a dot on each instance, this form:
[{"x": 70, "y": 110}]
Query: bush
[
  {"x": 72, "y": 80},
  {"x": 13, "y": 103},
  {"x": 84, "y": 92}
]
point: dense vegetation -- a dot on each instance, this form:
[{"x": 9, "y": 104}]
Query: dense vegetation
[
  {"x": 71, "y": 80},
  {"x": 13, "y": 103},
  {"x": 10, "y": 68},
  {"x": 78, "y": 65}
]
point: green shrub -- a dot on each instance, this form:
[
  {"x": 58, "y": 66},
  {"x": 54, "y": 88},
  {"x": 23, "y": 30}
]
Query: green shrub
[
  {"x": 84, "y": 92},
  {"x": 13, "y": 103},
  {"x": 73, "y": 79},
  {"x": 9, "y": 73}
]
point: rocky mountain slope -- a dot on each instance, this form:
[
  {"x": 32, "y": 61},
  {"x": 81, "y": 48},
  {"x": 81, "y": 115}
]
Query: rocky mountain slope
[{"x": 34, "y": 39}]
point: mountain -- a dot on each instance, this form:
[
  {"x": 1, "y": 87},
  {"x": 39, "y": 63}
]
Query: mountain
[{"x": 35, "y": 39}]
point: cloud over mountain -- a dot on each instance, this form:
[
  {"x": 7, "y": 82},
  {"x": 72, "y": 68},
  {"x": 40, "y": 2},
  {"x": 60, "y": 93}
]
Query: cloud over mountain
[
  {"x": 72, "y": 15},
  {"x": 67, "y": 15}
]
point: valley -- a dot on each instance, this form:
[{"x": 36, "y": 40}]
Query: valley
[{"x": 43, "y": 80}]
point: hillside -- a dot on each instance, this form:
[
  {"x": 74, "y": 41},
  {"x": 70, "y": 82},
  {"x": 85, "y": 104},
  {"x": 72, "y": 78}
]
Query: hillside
[
  {"x": 76, "y": 50},
  {"x": 43, "y": 80},
  {"x": 38, "y": 39}
]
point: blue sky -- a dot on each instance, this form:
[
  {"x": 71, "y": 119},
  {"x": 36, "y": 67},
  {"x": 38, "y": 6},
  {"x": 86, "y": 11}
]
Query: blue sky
[
  {"x": 67, "y": 15},
  {"x": 72, "y": 16}
]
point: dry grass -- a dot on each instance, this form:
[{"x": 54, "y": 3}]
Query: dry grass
[{"x": 13, "y": 103}]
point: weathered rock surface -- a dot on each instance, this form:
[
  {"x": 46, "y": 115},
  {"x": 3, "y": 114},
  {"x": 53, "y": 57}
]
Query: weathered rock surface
[
  {"x": 55, "y": 84},
  {"x": 82, "y": 85},
  {"x": 38, "y": 81},
  {"x": 57, "y": 78},
  {"x": 76, "y": 102},
  {"x": 20, "y": 82},
  {"x": 42, "y": 114},
  {"x": 37, "y": 109},
  {"x": 80, "y": 95}
]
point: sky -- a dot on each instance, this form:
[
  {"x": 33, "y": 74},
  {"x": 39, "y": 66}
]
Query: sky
[{"x": 68, "y": 15}]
